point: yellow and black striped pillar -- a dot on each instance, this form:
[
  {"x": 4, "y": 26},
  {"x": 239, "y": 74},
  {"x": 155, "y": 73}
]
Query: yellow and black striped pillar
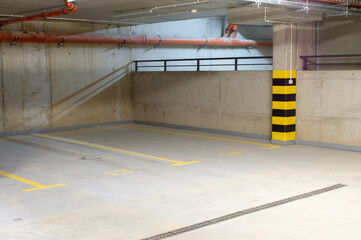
[{"x": 284, "y": 107}]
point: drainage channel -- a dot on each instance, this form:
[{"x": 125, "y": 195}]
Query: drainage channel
[{"x": 243, "y": 212}]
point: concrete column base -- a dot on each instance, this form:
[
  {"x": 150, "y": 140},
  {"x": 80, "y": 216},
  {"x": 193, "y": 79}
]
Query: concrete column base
[{"x": 283, "y": 143}]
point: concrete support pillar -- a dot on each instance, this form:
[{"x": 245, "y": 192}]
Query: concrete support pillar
[
  {"x": 1, "y": 95},
  {"x": 284, "y": 84},
  {"x": 289, "y": 42}
]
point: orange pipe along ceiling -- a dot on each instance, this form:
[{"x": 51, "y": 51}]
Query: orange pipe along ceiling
[
  {"x": 11, "y": 36},
  {"x": 69, "y": 8},
  {"x": 228, "y": 40}
]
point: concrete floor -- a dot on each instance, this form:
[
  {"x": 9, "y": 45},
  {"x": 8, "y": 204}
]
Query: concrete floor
[{"x": 112, "y": 191}]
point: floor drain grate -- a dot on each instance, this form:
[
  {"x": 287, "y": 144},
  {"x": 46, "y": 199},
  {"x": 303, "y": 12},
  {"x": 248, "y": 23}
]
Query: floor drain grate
[{"x": 243, "y": 212}]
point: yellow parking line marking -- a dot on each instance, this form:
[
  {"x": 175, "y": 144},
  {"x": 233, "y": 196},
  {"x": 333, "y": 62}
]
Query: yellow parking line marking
[
  {"x": 38, "y": 186},
  {"x": 125, "y": 171},
  {"x": 177, "y": 163},
  {"x": 82, "y": 131},
  {"x": 231, "y": 153},
  {"x": 201, "y": 136},
  {"x": 183, "y": 163},
  {"x": 61, "y": 133},
  {"x": 110, "y": 173},
  {"x": 13, "y": 138}
]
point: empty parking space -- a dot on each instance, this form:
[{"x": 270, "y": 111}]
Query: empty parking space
[
  {"x": 106, "y": 170},
  {"x": 180, "y": 119}
]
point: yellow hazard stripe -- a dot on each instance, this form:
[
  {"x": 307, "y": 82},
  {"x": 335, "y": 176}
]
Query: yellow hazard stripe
[
  {"x": 284, "y": 105},
  {"x": 284, "y": 90},
  {"x": 284, "y": 136},
  {"x": 283, "y": 120},
  {"x": 284, "y": 74}
]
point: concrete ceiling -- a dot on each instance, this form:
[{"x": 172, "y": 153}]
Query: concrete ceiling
[{"x": 130, "y": 11}]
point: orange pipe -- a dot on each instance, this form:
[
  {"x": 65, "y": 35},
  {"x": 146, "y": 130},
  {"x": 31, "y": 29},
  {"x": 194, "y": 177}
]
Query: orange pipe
[
  {"x": 69, "y": 8},
  {"x": 234, "y": 31},
  {"x": 231, "y": 31},
  {"x": 227, "y": 31},
  {"x": 8, "y": 36}
]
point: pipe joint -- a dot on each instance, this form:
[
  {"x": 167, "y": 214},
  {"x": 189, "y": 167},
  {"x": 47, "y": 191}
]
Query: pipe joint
[
  {"x": 145, "y": 39},
  {"x": 70, "y": 8}
]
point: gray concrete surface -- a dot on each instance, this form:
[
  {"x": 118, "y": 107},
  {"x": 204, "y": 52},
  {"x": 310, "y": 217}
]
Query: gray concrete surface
[
  {"x": 232, "y": 174},
  {"x": 337, "y": 36},
  {"x": 230, "y": 101},
  {"x": 329, "y": 107},
  {"x": 45, "y": 87}
]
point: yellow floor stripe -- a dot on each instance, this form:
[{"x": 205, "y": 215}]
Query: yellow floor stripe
[
  {"x": 148, "y": 129},
  {"x": 201, "y": 136},
  {"x": 110, "y": 173},
  {"x": 61, "y": 133},
  {"x": 14, "y": 138},
  {"x": 38, "y": 186},
  {"x": 82, "y": 131},
  {"x": 177, "y": 163}
]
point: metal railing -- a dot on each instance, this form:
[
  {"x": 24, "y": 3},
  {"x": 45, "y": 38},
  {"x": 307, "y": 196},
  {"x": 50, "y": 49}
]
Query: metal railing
[
  {"x": 198, "y": 64},
  {"x": 312, "y": 62}
]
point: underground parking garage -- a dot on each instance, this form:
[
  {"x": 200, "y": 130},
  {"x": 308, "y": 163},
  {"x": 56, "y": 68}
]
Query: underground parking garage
[{"x": 180, "y": 119}]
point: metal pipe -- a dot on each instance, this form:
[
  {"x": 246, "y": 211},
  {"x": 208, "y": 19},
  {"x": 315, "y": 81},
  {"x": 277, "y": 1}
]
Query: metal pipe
[
  {"x": 231, "y": 31},
  {"x": 69, "y": 8},
  {"x": 234, "y": 31},
  {"x": 227, "y": 31},
  {"x": 9, "y": 36}
]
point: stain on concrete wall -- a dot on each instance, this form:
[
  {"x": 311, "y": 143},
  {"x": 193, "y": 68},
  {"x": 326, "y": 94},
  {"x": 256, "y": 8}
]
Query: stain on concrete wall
[
  {"x": 26, "y": 84},
  {"x": 46, "y": 86},
  {"x": 233, "y": 101},
  {"x": 329, "y": 107}
]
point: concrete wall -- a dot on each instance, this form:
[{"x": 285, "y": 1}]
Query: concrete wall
[
  {"x": 329, "y": 107},
  {"x": 45, "y": 86},
  {"x": 232, "y": 101},
  {"x": 339, "y": 35}
]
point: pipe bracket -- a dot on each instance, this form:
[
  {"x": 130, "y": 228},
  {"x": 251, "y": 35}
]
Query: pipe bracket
[
  {"x": 66, "y": 8},
  {"x": 120, "y": 45},
  {"x": 43, "y": 14},
  {"x": 62, "y": 44},
  {"x": 160, "y": 41},
  {"x": 14, "y": 42},
  {"x": 205, "y": 45}
]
